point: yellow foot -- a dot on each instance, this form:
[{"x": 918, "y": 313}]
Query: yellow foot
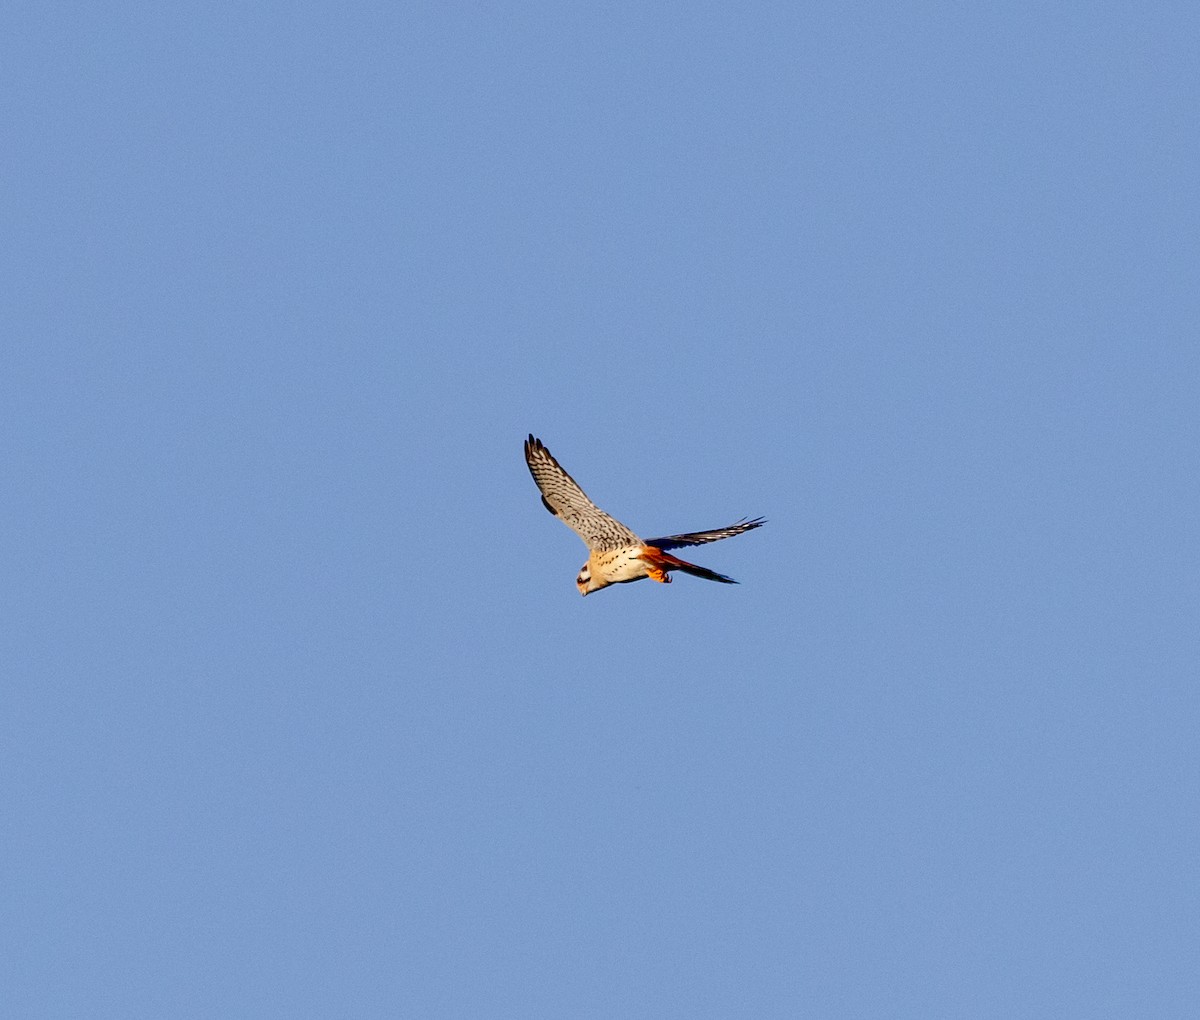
[{"x": 658, "y": 575}]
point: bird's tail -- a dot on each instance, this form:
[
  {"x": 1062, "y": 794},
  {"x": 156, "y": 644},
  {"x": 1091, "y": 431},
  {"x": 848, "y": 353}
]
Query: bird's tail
[{"x": 665, "y": 561}]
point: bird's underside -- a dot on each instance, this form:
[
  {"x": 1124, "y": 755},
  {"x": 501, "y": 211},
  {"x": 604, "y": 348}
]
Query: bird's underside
[{"x": 616, "y": 554}]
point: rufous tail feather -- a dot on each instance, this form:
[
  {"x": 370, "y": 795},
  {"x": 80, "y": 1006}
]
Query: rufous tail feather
[{"x": 665, "y": 561}]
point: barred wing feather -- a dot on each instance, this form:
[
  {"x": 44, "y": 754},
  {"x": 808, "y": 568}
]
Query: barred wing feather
[
  {"x": 563, "y": 497},
  {"x": 702, "y": 537}
]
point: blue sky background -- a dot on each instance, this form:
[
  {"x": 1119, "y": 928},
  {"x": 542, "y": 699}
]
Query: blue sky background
[{"x": 302, "y": 714}]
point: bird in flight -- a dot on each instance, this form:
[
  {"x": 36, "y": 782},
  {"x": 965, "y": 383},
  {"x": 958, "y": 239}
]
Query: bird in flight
[{"x": 615, "y": 554}]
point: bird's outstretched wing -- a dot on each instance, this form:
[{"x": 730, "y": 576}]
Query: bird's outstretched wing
[
  {"x": 563, "y": 497},
  {"x": 701, "y": 537}
]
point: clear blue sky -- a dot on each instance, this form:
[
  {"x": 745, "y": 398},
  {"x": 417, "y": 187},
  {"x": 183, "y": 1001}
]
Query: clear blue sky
[{"x": 301, "y": 712}]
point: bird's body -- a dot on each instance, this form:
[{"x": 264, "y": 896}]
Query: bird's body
[
  {"x": 617, "y": 566},
  {"x": 616, "y": 554}
]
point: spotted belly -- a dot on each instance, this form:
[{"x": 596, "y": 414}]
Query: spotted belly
[{"x": 618, "y": 565}]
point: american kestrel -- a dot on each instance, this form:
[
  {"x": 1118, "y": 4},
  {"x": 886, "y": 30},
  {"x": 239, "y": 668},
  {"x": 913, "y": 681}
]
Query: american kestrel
[{"x": 616, "y": 555}]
